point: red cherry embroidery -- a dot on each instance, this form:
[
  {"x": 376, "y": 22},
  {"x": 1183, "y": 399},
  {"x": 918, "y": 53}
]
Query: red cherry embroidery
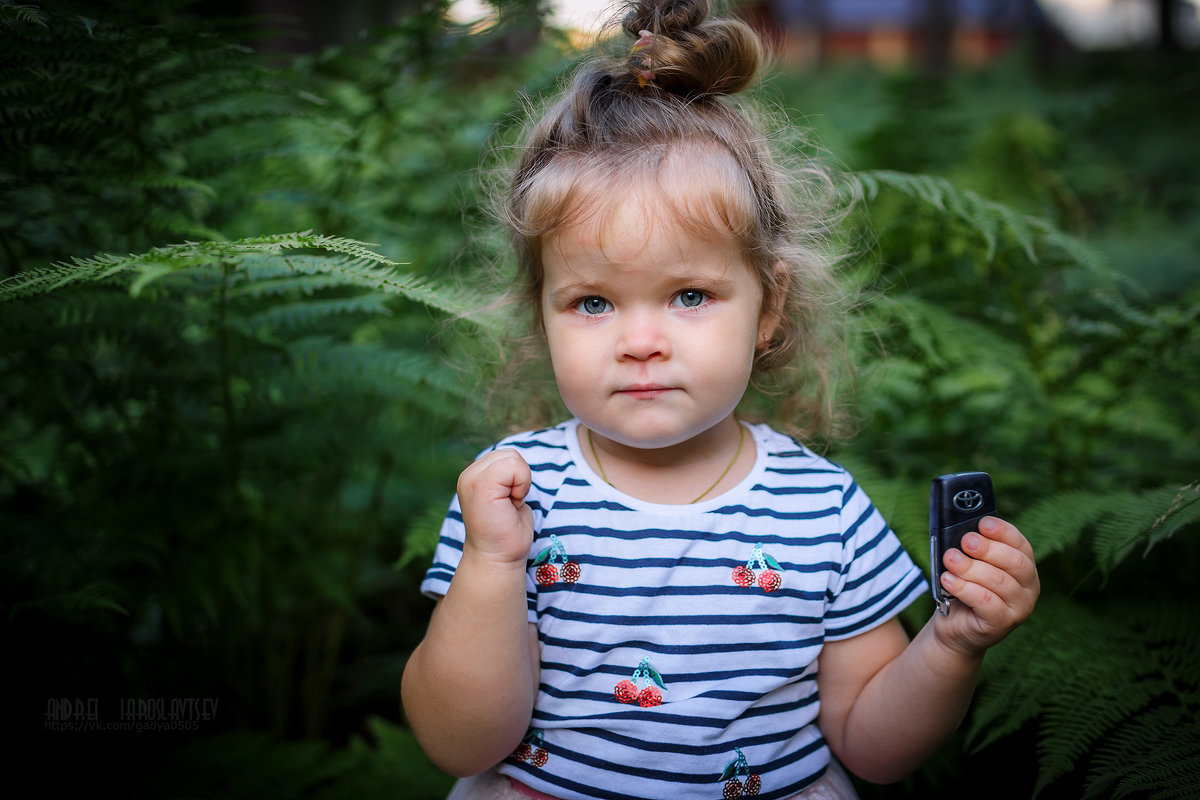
[
  {"x": 547, "y": 563},
  {"x": 532, "y": 749},
  {"x": 743, "y": 576},
  {"x": 739, "y": 779},
  {"x": 769, "y": 579},
  {"x": 631, "y": 691},
  {"x": 626, "y": 692},
  {"x": 546, "y": 574}
]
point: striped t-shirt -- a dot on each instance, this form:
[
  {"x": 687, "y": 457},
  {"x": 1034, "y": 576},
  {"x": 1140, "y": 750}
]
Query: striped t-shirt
[{"x": 679, "y": 643}]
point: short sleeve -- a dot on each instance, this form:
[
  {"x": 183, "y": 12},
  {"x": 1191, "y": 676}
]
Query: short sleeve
[
  {"x": 448, "y": 554},
  {"x": 878, "y": 579}
]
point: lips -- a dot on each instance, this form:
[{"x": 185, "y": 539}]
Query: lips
[{"x": 644, "y": 391}]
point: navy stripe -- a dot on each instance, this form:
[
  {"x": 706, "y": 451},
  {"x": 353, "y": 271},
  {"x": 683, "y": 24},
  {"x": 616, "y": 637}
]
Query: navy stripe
[
  {"x": 699, "y": 749},
  {"x": 767, "y": 512},
  {"x": 676, "y": 619},
  {"x": 678, "y": 591},
  {"x": 914, "y": 588},
  {"x": 681, "y": 649},
  {"x": 783, "y": 538},
  {"x": 623, "y": 671},
  {"x": 780, "y": 491}
]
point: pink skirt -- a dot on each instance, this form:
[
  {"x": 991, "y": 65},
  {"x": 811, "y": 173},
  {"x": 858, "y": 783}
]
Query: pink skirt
[{"x": 491, "y": 785}]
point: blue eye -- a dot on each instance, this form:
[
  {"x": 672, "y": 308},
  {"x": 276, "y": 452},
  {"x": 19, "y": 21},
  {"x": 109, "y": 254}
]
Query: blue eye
[
  {"x": 690, "y": 298},
  {"x": 593, "y": 305}
]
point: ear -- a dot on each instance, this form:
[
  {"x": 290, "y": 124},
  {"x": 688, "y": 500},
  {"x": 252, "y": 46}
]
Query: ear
[{"x": 774, "y": 299}]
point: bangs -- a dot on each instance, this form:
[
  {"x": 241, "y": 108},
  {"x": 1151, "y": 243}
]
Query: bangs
[{"x": 699, "y": 186}]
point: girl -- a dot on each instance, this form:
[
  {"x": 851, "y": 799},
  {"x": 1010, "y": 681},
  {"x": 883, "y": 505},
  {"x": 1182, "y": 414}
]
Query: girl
[{"x": 655, "y": 598}]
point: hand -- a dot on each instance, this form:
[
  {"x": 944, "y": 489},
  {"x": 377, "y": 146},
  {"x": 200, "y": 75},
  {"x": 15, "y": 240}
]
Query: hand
[
  {"x": 492, "y": 494},
  {"x": 996, "y": 586}
]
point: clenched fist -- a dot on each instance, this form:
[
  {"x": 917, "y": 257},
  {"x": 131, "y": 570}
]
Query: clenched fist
[{"x": 492, "y": 495}]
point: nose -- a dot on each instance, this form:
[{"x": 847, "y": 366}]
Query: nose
[{"x": 643, "y": 336}]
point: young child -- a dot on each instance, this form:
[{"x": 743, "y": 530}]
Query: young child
[{"x": 656, "y": 599}]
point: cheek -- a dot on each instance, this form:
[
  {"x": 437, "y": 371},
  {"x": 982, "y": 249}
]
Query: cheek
[{"x": 569, "y": 358}]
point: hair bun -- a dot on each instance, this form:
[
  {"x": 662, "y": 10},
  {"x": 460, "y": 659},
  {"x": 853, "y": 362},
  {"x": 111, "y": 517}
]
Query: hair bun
[
  {"x": 691, "y": 56},
  {"x": 666, "y": 17}
]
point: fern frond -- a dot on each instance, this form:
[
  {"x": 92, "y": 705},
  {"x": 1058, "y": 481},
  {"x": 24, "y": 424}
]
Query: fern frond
[
  {"x": 991, "y": 220},
  {"x": 366, "y": 370},
  {"x": 1155, "y": 754},
  {"x": 360, "y": 267},
  {"x": 964, "y": 347},
  {"x": 1018, "y": 673},
  {"x": 96, "y": 596},
  {"x": 1122, "y": 520},
  {"x": 1147, "y": 518},
  {"x": 421, "y": 538},
  {"x": 1090, "y": 678},
  {"x": 1059, "y": 520},
  {"x": 296, "y": 316},
  {"x": 28, "y": 15}
]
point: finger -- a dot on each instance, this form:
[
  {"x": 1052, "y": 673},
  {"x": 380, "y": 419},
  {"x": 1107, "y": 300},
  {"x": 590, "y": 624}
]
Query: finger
[
  {"x": 1001, "y": 555},
  {"x": 999, "y": 530},
  {"x": 964, "y": 570},
  {"x": 986, "y": 604}
]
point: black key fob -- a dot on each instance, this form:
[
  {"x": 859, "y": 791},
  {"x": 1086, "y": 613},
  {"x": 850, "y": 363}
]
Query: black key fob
[{"x": 956, "y": 503}]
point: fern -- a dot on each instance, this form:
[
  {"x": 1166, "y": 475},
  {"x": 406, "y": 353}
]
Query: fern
[
  {"x": 1096, "y": 682},
  {"x": 267, "y": 365},
  {"x": 1166, "y": 761},
  {"x": 11, "y": 12},
  {"x": 994, "y": 221},
  {"x": 357, "y": 265},
  {"x": 106, "y": 125},
  {"x": 382, "y": 763},
  {"x": 303, "y": 314},
  {"x": 86, "y": 599},
  {"x": 1122, "y": 520},
  {"x": 1147, "y": 519}
]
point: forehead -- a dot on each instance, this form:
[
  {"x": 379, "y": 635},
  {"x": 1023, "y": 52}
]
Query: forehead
[
  {"x": 645, "y": 234},
  {"x": 697, "y": 190}
]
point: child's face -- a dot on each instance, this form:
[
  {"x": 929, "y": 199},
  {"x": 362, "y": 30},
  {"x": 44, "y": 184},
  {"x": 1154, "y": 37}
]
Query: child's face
[{"x": 652, "y": 325}]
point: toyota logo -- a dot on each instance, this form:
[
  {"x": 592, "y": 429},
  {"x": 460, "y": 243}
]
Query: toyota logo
[{"x": 968, "y": 500}]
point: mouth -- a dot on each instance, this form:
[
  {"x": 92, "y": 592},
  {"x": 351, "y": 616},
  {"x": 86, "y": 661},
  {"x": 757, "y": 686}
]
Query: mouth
[{"x": 644, "y": 391}]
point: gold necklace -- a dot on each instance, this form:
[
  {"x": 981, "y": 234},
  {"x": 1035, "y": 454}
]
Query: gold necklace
[{"x": 699, "y": 497}]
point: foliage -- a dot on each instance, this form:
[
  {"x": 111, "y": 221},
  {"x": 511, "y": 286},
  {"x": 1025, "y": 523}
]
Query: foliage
[
  {"x": 225, "y": 449},
  {"x": 383, "y": 763},
  {"x": 991, "y": 338}
]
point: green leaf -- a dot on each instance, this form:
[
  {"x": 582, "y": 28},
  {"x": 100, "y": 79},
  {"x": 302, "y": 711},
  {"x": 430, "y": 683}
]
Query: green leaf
[
  {"x": 772, "y": 563},
  {"x": 542, "y": 557},
  {"x": 657, "y": 678}
]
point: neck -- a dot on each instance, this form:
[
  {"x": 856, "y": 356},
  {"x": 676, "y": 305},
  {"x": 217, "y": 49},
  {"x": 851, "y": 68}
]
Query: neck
[{"x": 698, "y": 468}]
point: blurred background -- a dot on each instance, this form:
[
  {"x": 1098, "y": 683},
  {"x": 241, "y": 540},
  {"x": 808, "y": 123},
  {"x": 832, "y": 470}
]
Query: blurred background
[{"x": 233, "y": 239}]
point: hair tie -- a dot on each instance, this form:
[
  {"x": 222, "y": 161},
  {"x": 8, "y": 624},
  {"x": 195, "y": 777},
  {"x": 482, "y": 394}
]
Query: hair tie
[{"x": 642, "y": 67}]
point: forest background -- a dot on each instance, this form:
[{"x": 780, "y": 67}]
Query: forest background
[{"x": 229, "y": 428}]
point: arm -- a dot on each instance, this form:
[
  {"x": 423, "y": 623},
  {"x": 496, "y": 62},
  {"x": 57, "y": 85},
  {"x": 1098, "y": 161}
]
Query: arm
[
  {"x": 887, "y": 704},
  {"x": 470, "y": 685}
]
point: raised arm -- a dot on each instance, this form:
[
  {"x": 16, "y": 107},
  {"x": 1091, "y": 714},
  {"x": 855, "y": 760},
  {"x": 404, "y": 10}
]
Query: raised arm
[
  {"x": 469, "y": 687},
  {"x": 886, "y": 703}
]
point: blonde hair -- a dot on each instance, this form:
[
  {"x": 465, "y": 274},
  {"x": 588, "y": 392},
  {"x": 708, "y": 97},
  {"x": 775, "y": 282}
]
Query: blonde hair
[{"x": 611, "y": 127}]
